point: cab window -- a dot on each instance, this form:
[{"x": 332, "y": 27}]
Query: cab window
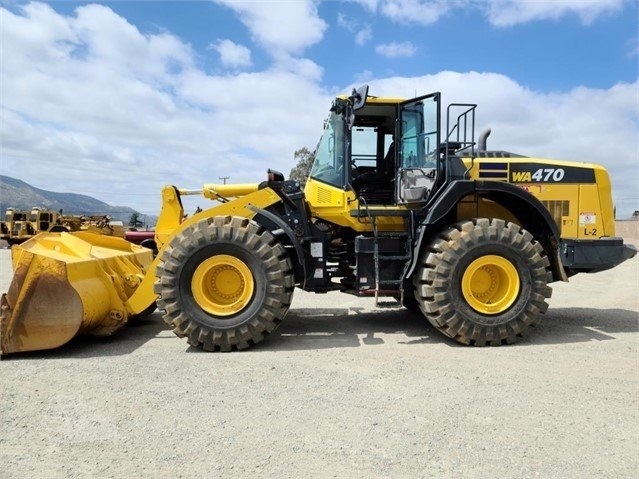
[{"x": 328, "y": 166}]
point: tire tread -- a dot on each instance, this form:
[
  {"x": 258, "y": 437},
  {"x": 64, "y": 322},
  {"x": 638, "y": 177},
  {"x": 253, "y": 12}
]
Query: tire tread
[
  {"x": 268, "y": 251},
  {"x": 432, "y": 281}
]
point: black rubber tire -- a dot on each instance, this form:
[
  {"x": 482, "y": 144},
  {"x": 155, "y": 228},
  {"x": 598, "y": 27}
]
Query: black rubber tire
[
  {"x": 245, "y": 240},
  {"x": 439, "y": 277}
]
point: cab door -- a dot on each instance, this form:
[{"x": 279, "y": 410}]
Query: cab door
[{"x": 418, "y": 131}]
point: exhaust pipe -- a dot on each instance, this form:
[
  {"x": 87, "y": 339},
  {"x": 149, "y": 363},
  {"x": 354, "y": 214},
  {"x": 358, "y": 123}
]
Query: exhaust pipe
[{"x": 481, "y": 142}]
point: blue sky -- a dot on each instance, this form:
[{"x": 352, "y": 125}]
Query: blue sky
[
  {"x": 546, "y": 53},
  {"x": 133, "y": 95}
]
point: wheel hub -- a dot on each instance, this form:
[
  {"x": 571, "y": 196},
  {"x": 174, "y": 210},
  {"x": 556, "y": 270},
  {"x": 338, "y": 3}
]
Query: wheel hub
[
  {"x": 490, "y": 284},
  {"x": 222, "y": 285}
]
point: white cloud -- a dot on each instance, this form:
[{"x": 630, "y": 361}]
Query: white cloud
[
  {"x": 396, "y": 49},
  {"x": 280, "y": 27},
  {"x": 363, "y": 36},
  {"x": 364, "y": 77},
  {"x": 370, "y": 5},
  {"x": 232, "y": 54},
  {"x": 363, "y": 33},
  {"x": 91, "y": 105},
  {"x": 425, "y": 12},
  {"x": 500, "y": 13},
  {"x": 303, "y": 67},
  {"x": 345, "y": 22},
  {"x": 507, "y": 13}
]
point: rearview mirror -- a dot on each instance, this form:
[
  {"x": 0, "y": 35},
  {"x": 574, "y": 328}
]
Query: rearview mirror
[{"x": 358, "y": 97}]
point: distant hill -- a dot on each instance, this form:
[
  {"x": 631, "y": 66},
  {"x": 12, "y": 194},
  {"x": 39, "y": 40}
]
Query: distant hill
[{"x": 17, "y": 194}]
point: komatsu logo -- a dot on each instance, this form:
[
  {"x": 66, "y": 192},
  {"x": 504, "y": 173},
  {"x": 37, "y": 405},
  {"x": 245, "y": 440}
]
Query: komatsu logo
[{"x": 539, "y": 173}]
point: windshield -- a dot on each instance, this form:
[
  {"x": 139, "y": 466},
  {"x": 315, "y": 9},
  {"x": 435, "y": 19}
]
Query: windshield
[{"x": 329, "y": 155}]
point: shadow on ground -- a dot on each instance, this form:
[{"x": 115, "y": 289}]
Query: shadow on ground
[
  {"x": 133, "y": 336},
  {"x": 575, "y": 325},
  {"x": 323, "y": 328},
  {"x": 336, "y": 328}
]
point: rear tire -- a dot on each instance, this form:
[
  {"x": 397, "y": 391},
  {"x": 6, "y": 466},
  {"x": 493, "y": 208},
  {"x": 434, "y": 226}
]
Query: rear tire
[
  {"x": 224, "y": 283},
  {"x": 483, "y": 282}
]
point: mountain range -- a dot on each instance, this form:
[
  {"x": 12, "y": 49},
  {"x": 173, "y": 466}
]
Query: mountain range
[{"x": 15, "y": 193}]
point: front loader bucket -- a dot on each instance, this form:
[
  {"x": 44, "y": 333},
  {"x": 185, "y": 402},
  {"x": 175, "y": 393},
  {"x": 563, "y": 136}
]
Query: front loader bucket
[{"x": 65, "y": 284}]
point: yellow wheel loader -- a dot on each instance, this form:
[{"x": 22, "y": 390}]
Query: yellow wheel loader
[
  {"x": 395, "y": 207},
  {"x": 17, "y": 226}
]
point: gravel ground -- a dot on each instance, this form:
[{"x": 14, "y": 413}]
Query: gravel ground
[{"x": 341, "y": 390}]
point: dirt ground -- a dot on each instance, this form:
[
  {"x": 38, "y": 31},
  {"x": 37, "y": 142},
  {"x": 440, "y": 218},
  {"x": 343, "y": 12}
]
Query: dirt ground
[{"x": 341, "y": 390}]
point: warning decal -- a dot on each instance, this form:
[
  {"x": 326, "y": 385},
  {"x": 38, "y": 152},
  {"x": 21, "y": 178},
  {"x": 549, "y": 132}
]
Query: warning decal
[{"x": 587, "y": 219}]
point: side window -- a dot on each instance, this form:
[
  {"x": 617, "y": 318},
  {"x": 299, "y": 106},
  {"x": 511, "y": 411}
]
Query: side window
[
  {"x": 371, "y": 149},
  {"x": 419, "y": 133},
  {"x": 364, "y": 147}
]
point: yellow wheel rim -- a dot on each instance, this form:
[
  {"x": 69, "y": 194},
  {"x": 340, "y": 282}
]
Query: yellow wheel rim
[
  {"x": 490, "y": 284},
  {"x": 222, "y": 285}
]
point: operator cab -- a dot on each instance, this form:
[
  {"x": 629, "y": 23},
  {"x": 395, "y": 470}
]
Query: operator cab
[{"x": 385, "y": 150}]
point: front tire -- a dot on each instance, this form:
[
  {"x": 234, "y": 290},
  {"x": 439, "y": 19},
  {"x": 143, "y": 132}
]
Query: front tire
[
  {"x": 224, "y": 283},
  {"x": 483, "y": 282}
]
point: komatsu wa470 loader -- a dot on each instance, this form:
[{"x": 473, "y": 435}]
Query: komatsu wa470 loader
[{"x": 395, "y": 206}]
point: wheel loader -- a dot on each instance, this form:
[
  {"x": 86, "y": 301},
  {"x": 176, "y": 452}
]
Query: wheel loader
[
  {"x": 17, "y": 226},
  {"x": 401, "y": 205}
]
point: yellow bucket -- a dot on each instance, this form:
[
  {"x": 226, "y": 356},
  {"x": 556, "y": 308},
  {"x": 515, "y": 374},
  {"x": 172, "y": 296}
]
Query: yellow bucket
[{"x": 65, "y": 284}]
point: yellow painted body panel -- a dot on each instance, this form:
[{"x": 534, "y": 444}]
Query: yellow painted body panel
[
  {"x": 472, "y": 207},
  {"x": 582, "y": 210},
  {"x": 335, "y": 205}
]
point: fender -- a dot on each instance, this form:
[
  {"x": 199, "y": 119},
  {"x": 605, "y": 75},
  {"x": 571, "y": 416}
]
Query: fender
[
  {"x": 286, "y": 229},
  {"x": 530, "y": 212}
]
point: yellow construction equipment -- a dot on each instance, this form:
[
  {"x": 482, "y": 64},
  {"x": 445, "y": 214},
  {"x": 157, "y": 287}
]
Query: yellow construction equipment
[
  {"x": 19, "y": 226},
  {"x": 394, "y": 208},
  {"x": 65, "y": 284}
]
